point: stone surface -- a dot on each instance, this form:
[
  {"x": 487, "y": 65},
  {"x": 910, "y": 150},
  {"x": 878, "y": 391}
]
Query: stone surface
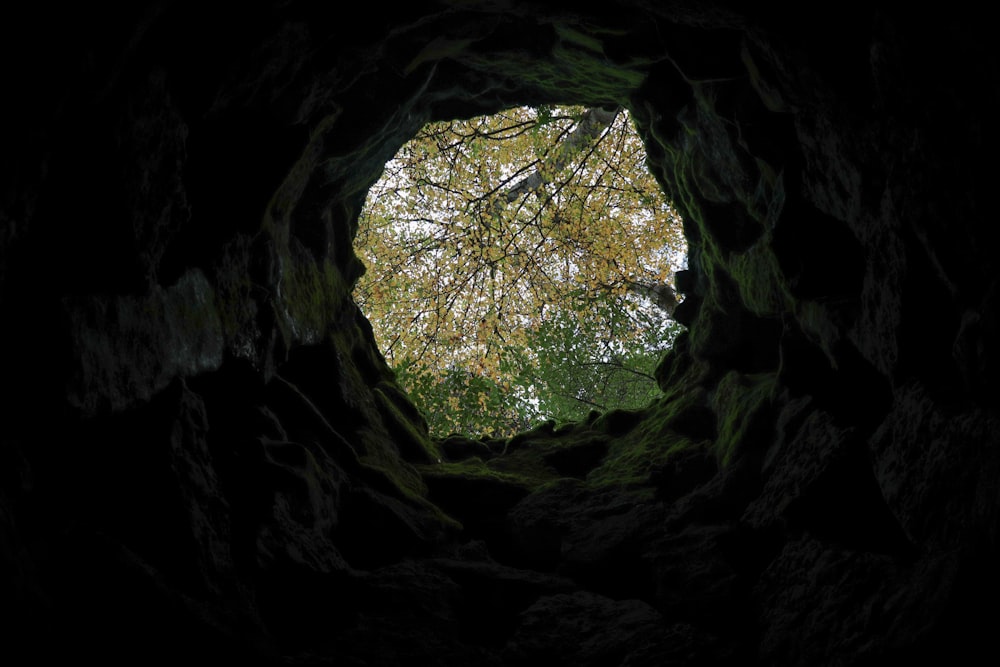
[{"x": 205, "y": 458}]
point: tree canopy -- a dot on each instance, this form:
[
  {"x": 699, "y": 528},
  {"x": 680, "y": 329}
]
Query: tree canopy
[{"x": 520, "y": 267}]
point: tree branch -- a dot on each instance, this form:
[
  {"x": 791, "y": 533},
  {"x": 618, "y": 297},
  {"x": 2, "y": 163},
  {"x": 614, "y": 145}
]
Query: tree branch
[{"x": 592, "y": 123}]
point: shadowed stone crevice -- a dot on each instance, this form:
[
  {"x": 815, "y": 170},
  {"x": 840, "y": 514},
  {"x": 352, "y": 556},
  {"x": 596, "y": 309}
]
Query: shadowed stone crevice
[
  {"x": 820, "y": 257},
  {"x": 228, "y": 183},
  {"x": 205, "y": 457},
  {"x": 844, "y": 506}
]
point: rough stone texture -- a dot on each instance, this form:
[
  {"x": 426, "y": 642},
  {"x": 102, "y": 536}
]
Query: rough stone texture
[{"x": 204, "y": 457}]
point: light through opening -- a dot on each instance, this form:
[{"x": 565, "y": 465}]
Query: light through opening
[{"x": 520, "y": 267}]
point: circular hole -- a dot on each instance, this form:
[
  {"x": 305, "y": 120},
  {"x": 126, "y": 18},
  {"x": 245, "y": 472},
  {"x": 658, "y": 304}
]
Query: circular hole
[{"x": 520, "y": 268}]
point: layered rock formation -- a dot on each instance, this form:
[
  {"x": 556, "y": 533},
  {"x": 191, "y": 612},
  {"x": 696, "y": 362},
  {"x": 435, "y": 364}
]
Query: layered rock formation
[{"x": 205, "y": 457}]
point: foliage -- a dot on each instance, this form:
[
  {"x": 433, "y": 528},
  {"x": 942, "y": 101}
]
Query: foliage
[
  {"x": 576, "y": 373},
  {"x": 519, "y": 267}
]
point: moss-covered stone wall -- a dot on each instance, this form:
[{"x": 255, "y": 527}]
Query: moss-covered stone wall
[{"x": 205, "y": 456}]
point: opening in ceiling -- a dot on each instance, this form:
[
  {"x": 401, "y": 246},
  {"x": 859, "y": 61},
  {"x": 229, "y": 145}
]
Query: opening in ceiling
[{"x": 520, "y": 267}]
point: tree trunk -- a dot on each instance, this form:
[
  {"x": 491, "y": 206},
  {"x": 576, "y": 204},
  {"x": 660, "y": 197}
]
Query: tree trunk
[{"x": 593, "y": 122}]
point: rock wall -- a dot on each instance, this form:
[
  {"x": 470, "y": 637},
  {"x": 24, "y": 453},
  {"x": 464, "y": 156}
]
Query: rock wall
[{"x": 205, "y": 457}]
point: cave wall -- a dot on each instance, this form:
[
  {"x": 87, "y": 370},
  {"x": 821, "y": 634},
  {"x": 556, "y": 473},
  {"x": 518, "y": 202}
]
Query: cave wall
[{"x": 204, "y": 454}]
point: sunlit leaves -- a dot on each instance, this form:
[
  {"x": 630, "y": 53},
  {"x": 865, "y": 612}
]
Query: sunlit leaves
[{"x": 501, "y": 251}]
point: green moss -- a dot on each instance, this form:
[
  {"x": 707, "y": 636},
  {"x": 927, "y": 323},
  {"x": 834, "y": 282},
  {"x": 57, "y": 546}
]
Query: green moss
[
  {"x": 438, "y": 49},
  {"x": 531, "y": 459},
  {"x": 816, "y": 321},
  {"x": 637, "y": 443},
  {"x": 679, "y": 369},
  {"x": 711, "y": 326},
  {"x": 577, "y": 70},
  {"x": 760, "y": 281},
  {"x": 573, "y": 36},
  {"x": 743, "y": 405},
  {"x": 633, "y": 456},
  {"x": 769, "y": 197},
  {"x": 619, "y": 421},
  {"x": 389, "y": 482},
  {"x": 475, "y": 468},
  {"x": 311, "y": 293},
  {"x": 414, "y": 445},
  {"x": 528, "y": 463},
  {"x": 388, "y": 474},
  {"x": 400, "y": 400},
  {"x": 543, "y": 430},
  {"x": 470, "y": 490}
]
